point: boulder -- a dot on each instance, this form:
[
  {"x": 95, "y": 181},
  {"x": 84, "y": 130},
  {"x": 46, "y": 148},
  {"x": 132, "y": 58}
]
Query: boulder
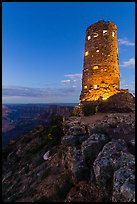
[
  {"x": 121, "y": 102},
  {"x": 92, "y": 146},
  {"x": 106, "y": 160},
  {"x": 125, "y": 160},
  {"x": 77, "y": 130},
  {"x": 70, "y": 140},
  {"x": 80, "y": 170},
  {"x": 123, "y": 185}
]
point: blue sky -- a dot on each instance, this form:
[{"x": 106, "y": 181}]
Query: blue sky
[{"x": 43, "y": 48}]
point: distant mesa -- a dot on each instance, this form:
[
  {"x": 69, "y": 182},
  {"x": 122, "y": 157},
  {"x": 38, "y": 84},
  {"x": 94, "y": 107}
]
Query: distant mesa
[{"x": 101, "y": 77}]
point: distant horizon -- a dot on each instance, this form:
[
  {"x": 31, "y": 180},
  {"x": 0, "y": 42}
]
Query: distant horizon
[
  {"x": 47, "y": 103},
  {"x": 37, "y": 103}
]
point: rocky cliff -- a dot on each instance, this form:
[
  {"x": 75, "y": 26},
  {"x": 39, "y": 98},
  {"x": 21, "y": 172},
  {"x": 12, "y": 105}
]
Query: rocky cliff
[{"x": 94, "y": 161}]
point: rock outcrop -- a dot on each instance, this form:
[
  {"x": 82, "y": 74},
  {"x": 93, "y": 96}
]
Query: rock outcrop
[{"x": 95, "y": 162}]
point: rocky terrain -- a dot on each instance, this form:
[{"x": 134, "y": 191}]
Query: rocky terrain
[
  {"x": 78, "y": 159},
  {"x": 93, "y": 160}
]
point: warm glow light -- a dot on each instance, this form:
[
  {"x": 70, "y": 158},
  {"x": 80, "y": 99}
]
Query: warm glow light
[
  {"x": 85, "y": 87},
  {"x": 113, "y": 33},
  {"x": 97, "y": 50},
  {"x": 105, "y": 98},
  {"x": 86, "y": 53},
  {"x": 95, "y": 67},
  {"x": 104, "y": 32},
  {"x": 89, "y": 37},
  {"x": 95, "y": 35},
  {"x": 95, "y": 86}
]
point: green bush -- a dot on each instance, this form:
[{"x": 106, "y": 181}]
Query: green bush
[
  {"x": 75, "y": 111},
  {"x": 49, "y": 136},
  {"x": 89, "y": 108}
]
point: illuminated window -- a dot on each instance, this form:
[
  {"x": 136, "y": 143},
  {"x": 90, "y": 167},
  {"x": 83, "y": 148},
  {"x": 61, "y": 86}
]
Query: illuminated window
[
  {"x": 85, "y": 70},
  {"x": 104, "y": 32},
  {"x": 97, "y": 50},
  {"x": 95, "y": 86},
  {"x": 86, "y": 53},
  {"x": 85, "y": 87},
  {"x": 108, "y": 55},
  {"x": 113, "y": 33},
  {"x": 95, "y": 35},
  {"x": 89, "y": 37},
  {"x": 95, "y": 67}
]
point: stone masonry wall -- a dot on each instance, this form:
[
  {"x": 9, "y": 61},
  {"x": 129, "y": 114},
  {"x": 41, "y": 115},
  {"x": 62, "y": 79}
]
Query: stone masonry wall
[{"x": 100, "y": 70}]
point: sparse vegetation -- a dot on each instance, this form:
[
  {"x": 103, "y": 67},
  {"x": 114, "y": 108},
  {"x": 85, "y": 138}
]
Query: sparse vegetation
[
  {"x": 75, "y": 111},
  {"x": 89, "y": 108}
]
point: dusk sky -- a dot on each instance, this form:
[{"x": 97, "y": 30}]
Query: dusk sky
[{"x": 43, "y": 48}]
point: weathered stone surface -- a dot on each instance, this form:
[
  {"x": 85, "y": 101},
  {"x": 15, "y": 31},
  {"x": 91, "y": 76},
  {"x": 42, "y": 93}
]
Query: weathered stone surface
[
  {"x": 87, "y": 192},
  {"x": 92, "y": 146},
  {"x": 123, "y": 185},
  {"x": 70, "y": 140},
  {"x": 116, "y": 125},
  {"x": 125, "y": 160},
  {"x": 82, "y": 138},
  {"x": 120, "y": 102},
  {"x": 77, "y": 130},
  {"x": 128, "y": 189},
  {"x": 105, "y": 162},
  {"x": 80, "y": 170},
  {"x": 131, "y": 146}
]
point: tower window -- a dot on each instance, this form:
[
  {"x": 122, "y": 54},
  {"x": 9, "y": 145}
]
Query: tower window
[
  {"x": 113, "y": 33},
  {"x": 85, "y": 87},
  {"x": 97, "y": 50},
  {"x": 86, "y": 53},
  {"x": 95, "y": 86},
  {"x": 95, "y": 67},
  {"x": 89, "y": 37},
  {"x": 95, "y": 35},
  {"x": 104, "y": 32}
]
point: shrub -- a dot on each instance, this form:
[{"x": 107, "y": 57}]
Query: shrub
[
  {"x": 75, "y": 111},
  {"x": 89, "y": 108}
]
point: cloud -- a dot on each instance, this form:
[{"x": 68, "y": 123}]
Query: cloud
[
  {"x": 129, "y": 63},
  {"x": 74, "y": 76},
  {"x": 66, "y": 81},
  {"x": 125, "y": 41},
  {"x": 73, "y": 81},
  {"x": 56, "y": 94}
]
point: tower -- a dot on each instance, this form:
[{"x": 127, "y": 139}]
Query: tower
[{"x": 101, "y": 76}]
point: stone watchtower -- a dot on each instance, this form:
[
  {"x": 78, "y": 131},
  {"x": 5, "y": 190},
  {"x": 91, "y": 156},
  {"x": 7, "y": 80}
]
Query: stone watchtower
[{"x": 100, "y": 70}]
